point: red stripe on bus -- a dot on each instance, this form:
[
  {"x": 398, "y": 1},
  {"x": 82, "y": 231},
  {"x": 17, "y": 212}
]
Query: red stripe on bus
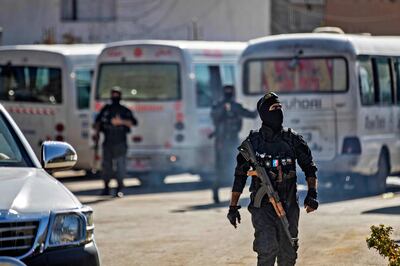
[
  {"x": 212, "y": 53},
  {"x": 114, "y": 53},
  {"x": 147, "y": 108},
  {"x": 98, "y": 106},
  {"x": 178, "y": 106},
  {"x": 180, "y": 117}
]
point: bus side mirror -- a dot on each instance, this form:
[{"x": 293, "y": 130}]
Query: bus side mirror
[{"x": 58, "y": 156}]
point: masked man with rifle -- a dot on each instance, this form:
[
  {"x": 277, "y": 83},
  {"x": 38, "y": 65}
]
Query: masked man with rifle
[{"x": 269, "y": 156}]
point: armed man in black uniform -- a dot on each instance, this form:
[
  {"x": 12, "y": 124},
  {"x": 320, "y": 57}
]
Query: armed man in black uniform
[
  {"x": 227, "y": 116},
  {"x": 276, "y": 150},
  {"x": 115, "y": 121}
]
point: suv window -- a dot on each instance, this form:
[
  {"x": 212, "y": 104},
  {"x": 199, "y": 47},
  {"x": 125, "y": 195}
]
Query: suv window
[{"x": 12, "y": 152}]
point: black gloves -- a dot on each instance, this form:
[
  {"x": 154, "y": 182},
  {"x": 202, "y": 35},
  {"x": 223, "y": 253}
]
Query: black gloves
[
  {"x": 311, "y": 199},
  {"x": 234, "y": 214}
]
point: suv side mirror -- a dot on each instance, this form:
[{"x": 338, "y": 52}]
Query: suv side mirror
[{"x": 58, "y": 155}]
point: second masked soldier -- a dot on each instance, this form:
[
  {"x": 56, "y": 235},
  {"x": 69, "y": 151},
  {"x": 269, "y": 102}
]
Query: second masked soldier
[
  {"x": 227, "y": 116},
  {"x": 115, "y": 121}
]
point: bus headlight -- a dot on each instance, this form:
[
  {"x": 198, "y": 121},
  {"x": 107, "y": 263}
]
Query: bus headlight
[{"x": 67, "y": 229}]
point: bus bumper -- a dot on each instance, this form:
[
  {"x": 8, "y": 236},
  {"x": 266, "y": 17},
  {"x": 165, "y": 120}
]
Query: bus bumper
[
  {"x": 343, "y": 165},
  {"x": 171, "y": 161}
]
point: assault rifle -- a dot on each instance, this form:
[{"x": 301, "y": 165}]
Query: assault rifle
[{"x": 266, "y": 188}]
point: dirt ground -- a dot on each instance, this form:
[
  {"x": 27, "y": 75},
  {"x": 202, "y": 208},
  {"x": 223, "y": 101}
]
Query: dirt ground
[{"x": 178, "y": 225}]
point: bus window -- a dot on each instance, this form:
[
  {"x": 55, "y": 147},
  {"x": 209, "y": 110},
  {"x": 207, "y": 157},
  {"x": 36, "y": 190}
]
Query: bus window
[
  {"x": 208, "y": 85},
  {"x": 30, "y": 84},
  {"x": 296, "y": 75},
  {"x": 366, "y": 80},
  {"x": 140, "y": 81},
  {"x": 228, "y": 75},
  {"x": 83, "y": 79},
  {"x": 384, "y": 80}
]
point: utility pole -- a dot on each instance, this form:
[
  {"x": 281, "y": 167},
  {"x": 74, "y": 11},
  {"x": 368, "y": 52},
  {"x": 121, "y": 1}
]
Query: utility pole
[{"x": 195, "y": 29}]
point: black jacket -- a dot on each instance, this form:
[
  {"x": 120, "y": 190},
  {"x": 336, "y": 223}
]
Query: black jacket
[
  {"x": 114, "y": 135},
  {"x": 285, "y": 144},
  {"x": 227, "y": 117}
]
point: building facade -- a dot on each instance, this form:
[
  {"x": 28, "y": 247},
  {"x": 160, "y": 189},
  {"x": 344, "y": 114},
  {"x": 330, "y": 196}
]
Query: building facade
[
  {"x": 377, "y": 17},
  {"x": 291, "y": 16},
  {"x": 99, "y": 21}
]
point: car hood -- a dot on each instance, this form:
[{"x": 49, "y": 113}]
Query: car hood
[{"x": 27, "y": 190}]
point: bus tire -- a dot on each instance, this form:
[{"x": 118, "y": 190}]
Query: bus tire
[
  {"x": 152, "y": 180},
  {"x": 377, "y": 183}
]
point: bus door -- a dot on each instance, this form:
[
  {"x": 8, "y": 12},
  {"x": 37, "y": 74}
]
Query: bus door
[
  {"x": 33, "y": 96},
  {"x": 377, "y": 112},
  {"x": 81, "y": 115},
  {"x": 210, "y": 79},
  {"x": 397, "y": 112}
]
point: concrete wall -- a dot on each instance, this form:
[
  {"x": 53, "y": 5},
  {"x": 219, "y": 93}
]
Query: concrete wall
[{"x": 30, "y": 21}]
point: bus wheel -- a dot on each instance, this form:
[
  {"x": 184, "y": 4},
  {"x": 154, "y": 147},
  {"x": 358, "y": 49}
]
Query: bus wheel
[
  {"x": 377, "y": 182},
  {"x": 152, "y": 180}
]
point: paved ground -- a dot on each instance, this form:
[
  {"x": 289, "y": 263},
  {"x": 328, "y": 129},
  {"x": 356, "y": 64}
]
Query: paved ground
[{"x": 177, "y": 225}]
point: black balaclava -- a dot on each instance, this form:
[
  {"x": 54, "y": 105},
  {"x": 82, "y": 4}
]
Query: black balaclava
[
  {"x": 229, "y": 92},
  {"x": 272, "y": 119},
  {"x": 115, "y": 99}
]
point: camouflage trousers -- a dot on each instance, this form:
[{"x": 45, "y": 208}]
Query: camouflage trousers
[{"x": 270, "y": 240}]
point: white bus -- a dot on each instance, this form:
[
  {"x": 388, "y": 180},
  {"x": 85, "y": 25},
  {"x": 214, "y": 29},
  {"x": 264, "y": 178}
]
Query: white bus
[
  {"x": 171, "y": 86},
  {"x": 46, "y": 89},
  {"x": 341, "y": 92}
]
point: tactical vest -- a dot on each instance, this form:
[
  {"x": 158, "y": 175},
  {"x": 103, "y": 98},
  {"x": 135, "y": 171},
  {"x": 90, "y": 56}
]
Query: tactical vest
[{"x": 278, "y": 156}]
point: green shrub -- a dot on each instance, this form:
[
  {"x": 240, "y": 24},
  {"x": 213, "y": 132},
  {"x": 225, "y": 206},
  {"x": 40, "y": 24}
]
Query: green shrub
[{"x": 381, "y": 241}]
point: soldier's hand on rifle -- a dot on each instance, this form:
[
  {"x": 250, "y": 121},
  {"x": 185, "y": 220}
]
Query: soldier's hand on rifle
[
  {"x": 234, "y": 215},
  {"x": 311, "y": 202}
]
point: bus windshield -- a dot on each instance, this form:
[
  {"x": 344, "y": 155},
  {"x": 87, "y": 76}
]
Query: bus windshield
[
  {"x": 295, "y": 75},
  {"x": 140, "y": 81}
]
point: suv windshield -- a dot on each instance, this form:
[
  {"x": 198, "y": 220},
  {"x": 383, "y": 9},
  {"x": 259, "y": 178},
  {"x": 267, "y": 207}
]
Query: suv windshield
[
  {"x": 295, "y": 75},
  {"x": 140, "y": 81},
  {"x": 12, "y": 152}
]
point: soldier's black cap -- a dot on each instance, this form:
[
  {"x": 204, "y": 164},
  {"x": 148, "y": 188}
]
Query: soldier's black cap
[{"x": 267, "y": 101}]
